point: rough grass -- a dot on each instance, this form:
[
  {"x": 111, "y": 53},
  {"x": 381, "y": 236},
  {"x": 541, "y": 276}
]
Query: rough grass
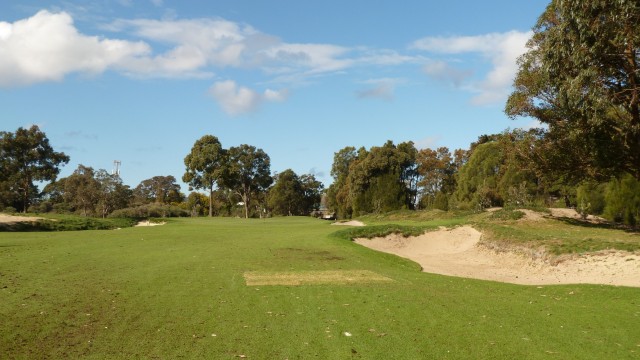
[{"x": 178, "y": 291}]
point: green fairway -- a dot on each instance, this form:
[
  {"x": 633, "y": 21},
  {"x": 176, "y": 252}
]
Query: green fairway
[{"x": 180, "y": 291}]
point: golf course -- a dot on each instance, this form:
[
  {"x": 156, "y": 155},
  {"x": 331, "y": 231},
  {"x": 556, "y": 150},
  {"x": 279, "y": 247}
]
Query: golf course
[{"x": 300, "y": 288}]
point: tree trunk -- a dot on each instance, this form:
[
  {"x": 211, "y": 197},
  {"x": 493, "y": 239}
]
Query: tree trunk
[{"x": 211, "y": 201}]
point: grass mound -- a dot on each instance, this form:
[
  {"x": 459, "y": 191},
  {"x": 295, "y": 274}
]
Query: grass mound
[{"x": 67, "y": 223}]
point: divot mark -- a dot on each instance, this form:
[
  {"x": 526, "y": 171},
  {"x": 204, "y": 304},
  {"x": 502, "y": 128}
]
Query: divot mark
[{"x": 340, "y": 277}]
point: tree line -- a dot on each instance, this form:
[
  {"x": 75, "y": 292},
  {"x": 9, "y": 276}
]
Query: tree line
[{"x": 238, "y": 177}]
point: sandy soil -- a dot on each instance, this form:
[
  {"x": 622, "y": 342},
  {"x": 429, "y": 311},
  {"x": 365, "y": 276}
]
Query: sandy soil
[
  {"x": 10, "y": 219},
  {"x": 459, "y": 252},
  {"x": 148, "y": 223},
  {"x": 349, "y": 223}
]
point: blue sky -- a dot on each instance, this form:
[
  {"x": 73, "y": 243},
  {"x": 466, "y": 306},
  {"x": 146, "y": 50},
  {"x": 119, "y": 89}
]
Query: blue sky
[{"x": 141, "y": 80}]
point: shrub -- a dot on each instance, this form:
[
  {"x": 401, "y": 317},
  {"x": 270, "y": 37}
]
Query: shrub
[
  {"x": 623, "y": 200},
  {"x": 150, "y": 210}
]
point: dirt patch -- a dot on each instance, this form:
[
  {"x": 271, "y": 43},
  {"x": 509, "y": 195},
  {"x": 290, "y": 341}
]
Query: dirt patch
[
  {"x": 459, "y": 252},
  {"x": 530, "y": 215},
  {"x": 349, "y": 223},
  {"x": 11, "y": 219},
  {"x": 573, "y": 214},
  {"x": 340, "y": 277}
]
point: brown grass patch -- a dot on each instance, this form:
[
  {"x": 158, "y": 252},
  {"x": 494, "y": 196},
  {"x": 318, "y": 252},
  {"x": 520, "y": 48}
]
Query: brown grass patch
[{"x": 339, "y": 277}]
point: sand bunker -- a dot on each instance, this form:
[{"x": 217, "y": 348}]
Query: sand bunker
[
  {"x": 349, "y": 223},
  {"x": 458, "y": 252},
  {"x": 11, "y": 219},
  {"x": 149, "y": 223}
]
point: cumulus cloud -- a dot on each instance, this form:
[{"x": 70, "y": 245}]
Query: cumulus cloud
[
  {"x": 47, "y": 46},
  {"x": 500, "y": 49},
  {"x": 238, "y": 100}
]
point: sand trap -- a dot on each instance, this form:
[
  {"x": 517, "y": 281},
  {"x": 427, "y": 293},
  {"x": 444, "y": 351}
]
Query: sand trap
[
  {"x": 349, "y": 223},
  {"x": 458, "y": 252},
  {"x": 149, "y": 223},
  {"x": 10, "y": 219}
]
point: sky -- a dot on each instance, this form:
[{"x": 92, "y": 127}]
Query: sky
[{"x": 139, "y": 81}]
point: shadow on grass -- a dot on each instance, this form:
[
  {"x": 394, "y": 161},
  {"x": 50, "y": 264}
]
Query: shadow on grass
[{"x": 598, "y": 225}]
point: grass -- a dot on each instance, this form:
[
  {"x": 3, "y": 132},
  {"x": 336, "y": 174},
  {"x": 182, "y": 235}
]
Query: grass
[
  {"x": 178, "y": 291},
  {"x": 560, "y": 237}
]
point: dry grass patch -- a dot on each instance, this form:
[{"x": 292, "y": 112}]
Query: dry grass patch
[{"x": 333, "y": 277}]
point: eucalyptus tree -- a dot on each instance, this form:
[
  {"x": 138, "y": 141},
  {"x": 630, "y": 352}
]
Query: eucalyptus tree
[
  {"x": 27, "y": 157},
  {"x": 581, "y": 77},
  {"x": 159, "y": 189},
  {"x": 204, "y": 166},
  {"x": 294, "y": 195},
  {"x": 247, "y": 173}
]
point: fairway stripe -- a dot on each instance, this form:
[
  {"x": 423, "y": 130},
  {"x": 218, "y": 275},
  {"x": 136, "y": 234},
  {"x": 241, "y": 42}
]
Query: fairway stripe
[{"x": 340, "y": 277}]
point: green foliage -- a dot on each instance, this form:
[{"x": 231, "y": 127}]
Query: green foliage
[
  {"x": 159, "y": 189},
  {"x": 369, "y": 232},
  {"x": 580, "y": 77},
  {"x": 590, "y": 196},
  {"x": 507, "y": 214},
  {"x": 436, "y": 182},
  {"x": 86, "y": 192},
  {"x": 622, "y": 199},
  {"x": 68, "y": 223},
  {"x": 26, "y": 157},
  {"x": 197, "y": 203},
  {"x": 478, "y": 178},
  {"x": 498, "y": 172},
  {"x": 205, "y": 165},
  {"x": 247, "y": 174},
  {"x": 294, "y": 195},
  {"x": 381, "y": 179},
  {"x": 150, "y": 211}
]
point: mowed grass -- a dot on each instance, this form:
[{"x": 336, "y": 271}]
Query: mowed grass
[{"x": 178, "y": 291}]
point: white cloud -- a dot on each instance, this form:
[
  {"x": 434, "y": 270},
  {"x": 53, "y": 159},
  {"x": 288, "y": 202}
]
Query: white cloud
[
  {"x": 237, "y": 100},
  {"x": 157, "y": 3},
  {"x": 500, "y": 49},
  {"x": 46, "y": 47}
]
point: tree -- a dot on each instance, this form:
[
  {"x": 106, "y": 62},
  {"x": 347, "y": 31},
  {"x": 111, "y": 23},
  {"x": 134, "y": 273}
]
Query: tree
[
  {"x": 294, "y": 195},
  {"x": 204, "y": 165},
  {"x": 196, "y": 202},
  {"x": 82, "y": 190},
  {"x": 158, "y": 189},
  {"x": 436, "y": 169},
  {"x": 247, "y": 173},
  {"x": 312, "y": 190},
  {"x": 338, "y": 193},
  {"x": 25, "y": 157},
  {"x": 581, "y": 77},
  {"x": 286, "y": 195},
  {"x": 112, "y": 194}
]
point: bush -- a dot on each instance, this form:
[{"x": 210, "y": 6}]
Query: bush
[
  {"x": 10, "y": 210},
  {"x": 590, "y": 198},
  {"x": 623, "y": 200},
  {"x": 150, "y": 210}
]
